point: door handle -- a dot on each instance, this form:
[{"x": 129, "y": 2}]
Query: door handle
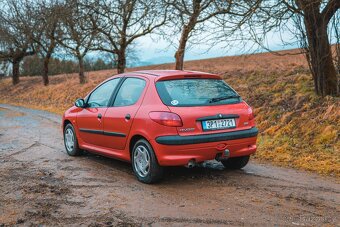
[
  {"x": 127, "y": 116},
  {"x": 99, "y": 116}
]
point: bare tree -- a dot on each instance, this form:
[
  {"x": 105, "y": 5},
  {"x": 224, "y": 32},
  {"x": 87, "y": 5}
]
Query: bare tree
[
  {"x": 17, "y": 24},
  {"x": 49, "y": 21},
  {"x": 309, "y": 21},
  {"x": 77, "y": 32},
  {"x": 121, "y": 22},
  {"x": 189, "y": 16}
]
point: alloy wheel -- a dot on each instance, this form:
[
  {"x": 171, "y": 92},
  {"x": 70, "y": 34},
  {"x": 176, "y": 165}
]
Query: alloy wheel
[{"x": 141, "y": 161}]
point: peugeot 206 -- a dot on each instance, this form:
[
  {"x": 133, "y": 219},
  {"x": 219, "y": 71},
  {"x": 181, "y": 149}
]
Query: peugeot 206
[{"x": 162, "y": 118}]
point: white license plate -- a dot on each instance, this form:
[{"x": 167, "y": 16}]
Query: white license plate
[{"x": 219, "y": 124}]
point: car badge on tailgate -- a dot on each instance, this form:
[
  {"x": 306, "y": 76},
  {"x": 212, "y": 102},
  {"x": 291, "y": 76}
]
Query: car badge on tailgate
[{"x": 186, "y": 129}]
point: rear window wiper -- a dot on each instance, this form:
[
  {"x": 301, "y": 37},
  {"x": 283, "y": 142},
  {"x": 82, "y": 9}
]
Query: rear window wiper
[{"x": 223, "y": 98}]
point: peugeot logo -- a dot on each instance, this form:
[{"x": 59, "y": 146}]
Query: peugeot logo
[{"x": 220, "y": 115}]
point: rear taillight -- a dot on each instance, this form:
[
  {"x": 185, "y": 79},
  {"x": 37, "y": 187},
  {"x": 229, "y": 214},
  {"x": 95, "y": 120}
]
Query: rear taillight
[
  {"x": 166, "y": 118},
  {"x": 250, "y": 113}
]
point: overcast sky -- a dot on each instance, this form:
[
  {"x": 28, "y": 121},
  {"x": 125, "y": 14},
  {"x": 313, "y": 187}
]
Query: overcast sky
[{"x": 156, "y": 49}]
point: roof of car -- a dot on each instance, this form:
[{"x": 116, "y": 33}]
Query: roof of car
[
  {"x": 160, "y": 73},
  {"x": 169, "y": 74}
]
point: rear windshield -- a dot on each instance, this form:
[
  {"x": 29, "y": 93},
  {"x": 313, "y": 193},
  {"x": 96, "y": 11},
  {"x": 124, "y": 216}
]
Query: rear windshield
[{"x": 196, "y": 92}]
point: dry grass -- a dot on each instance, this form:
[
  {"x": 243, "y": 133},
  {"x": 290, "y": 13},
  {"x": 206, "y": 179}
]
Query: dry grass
[{"x": 298, "y": 129}]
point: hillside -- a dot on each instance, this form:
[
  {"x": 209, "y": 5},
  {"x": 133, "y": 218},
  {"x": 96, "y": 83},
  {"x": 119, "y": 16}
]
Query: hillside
[{"x": 298, "y": 129}]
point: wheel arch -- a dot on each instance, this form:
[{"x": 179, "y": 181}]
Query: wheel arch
[
  {"x": 133, "y": 140},
  {"x": 66, "y": 122}
]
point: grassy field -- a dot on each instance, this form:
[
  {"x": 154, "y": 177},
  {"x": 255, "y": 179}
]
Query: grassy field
[{"x": 298, "y": 129}]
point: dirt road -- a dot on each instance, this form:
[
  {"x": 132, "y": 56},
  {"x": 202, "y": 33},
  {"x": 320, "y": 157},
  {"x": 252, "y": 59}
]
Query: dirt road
[{"x": 40, "y": 184}]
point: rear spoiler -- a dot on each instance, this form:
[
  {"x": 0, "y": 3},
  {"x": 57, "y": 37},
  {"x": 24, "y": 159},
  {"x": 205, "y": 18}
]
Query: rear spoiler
[{"x": 189, "y": 76}]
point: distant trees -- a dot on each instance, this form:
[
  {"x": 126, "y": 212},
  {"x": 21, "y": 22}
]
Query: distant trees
[
  {"x": 3, "y": 67},
  {"x": 98, "y": 64},
  {"x": 32, "y": 65}
]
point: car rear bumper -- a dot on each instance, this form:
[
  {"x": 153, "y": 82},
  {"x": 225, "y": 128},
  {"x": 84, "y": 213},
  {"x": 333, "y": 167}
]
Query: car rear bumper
[
  {"x": 184, "y": 140},
  {"x": 179, "y": 150}
]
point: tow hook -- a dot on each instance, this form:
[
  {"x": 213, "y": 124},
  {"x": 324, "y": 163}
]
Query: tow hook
[
  {"x": 191, "y": 164},
  {"x": 224, "y": 156},
  {"x": 226, "y": 153}
]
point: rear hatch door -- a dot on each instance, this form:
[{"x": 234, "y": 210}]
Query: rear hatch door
[
  {"x": 205, "y": 105},
  {"x": 212, "y": 119}
]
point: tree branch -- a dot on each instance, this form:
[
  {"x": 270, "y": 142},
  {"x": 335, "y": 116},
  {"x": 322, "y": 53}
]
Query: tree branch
[{"x": 330, "y": 10}]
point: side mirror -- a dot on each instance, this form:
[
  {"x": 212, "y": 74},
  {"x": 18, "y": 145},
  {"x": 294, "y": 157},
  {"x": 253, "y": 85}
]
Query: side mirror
[{"x": 80, "y": 103}]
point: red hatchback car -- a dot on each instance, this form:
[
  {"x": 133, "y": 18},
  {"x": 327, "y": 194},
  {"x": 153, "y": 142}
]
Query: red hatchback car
[{"x": 162, "y": 118}]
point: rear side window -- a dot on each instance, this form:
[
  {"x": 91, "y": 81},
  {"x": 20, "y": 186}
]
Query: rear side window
[
  {"x": 129, "y": 92},
  {"x": 196, "y": 92}
]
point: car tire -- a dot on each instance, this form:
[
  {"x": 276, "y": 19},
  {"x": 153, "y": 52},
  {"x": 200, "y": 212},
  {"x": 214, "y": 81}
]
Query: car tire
[
  {"x": 71, "y": 142},
  {"x": 236, "y": 163},
  {"x": 144, "y": 163}
]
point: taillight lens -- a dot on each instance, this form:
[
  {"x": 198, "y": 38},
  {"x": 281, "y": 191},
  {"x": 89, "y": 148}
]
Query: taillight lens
[
  {"x": 166, "y": 118},
  {"x": 250, "y": 113}
]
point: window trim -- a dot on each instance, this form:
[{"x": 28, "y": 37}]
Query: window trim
[
  {"x": 120, "y": 79},
  {"x": 114, "y": 96}
]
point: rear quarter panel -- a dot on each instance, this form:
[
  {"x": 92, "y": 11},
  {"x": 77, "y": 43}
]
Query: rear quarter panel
[{"x": 142, "y": 124}]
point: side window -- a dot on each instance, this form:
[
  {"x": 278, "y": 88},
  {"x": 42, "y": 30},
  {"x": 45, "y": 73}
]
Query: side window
[
  {"x": 129, "y": 92},
  {"x": 101, "y": 96}
]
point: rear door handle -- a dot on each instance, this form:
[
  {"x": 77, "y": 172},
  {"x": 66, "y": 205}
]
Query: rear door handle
[
  {"x": 127, "y": 116},
  {"x": 100, "y": 116}
]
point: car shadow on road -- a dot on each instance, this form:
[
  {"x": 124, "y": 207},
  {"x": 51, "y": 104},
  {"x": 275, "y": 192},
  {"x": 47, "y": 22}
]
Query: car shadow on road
[{"x": 212, "y": 170}]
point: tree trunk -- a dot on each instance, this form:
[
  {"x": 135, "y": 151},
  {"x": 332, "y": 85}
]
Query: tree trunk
[
  {"x": 121, "y": 61},
  {"x": 179, "y": 55},
  {"x": 81, "y": 71},
  {"x": 16, "y": 71},
  {"x": 337, "y": 60},
  {"x": 320, "y": 54},
  {"x": 45, "y": 70}
]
